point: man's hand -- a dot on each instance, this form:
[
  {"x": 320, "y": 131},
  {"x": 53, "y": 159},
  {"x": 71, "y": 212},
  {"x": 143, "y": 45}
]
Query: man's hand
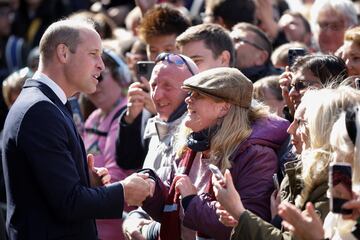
[
  {"x": 138, "y": 98},
  {"x": 132, "y": 228},
  {"x": 98, "y": 176},
  {"x": 136, "y": 189}
]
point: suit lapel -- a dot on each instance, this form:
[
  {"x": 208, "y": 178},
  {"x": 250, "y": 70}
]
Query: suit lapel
[{"x": 46, "y": 90}]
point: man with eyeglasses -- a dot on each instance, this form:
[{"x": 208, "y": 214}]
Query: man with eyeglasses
[
  {"x": 330, "y": 20},
  {"x": 253, "y": 51}
]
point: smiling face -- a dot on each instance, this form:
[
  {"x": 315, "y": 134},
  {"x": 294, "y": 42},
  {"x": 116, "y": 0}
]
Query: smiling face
[
  {"x": 203, "y": 111},
  {"x": 351, "y": 56},
  {"x": 165, "y": 87},
  {"x": 108, "y": 91}
]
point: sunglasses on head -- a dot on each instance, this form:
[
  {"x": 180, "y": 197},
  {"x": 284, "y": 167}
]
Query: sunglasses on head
[{"x": 174, "y": 59}]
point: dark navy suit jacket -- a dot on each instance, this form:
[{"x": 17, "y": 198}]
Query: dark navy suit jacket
[{"x": 45, "y": 170}]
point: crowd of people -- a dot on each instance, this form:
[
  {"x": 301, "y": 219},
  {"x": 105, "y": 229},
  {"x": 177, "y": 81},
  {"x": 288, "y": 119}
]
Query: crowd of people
[{"x": 116, "y": 114}]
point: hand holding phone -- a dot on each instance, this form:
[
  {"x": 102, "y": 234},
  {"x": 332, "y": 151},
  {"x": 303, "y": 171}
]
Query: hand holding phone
[
  {"x": 217, "y": 173},
  {"x": 340, "y": 187}
]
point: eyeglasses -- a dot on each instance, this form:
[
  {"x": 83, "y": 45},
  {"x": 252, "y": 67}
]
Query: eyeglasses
[
  {"x": 298, "y": 86},
  {"x": 243, "y": 40},
  {"x": 334, "y": 26},
  {"x": 175, "y": 59}
]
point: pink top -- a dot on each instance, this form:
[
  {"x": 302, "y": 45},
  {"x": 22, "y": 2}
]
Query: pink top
[{"x": 103, "y": 149}]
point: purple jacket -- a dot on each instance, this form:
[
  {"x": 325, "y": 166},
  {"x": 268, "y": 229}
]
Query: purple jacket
[{"x": 254, "y": 163}]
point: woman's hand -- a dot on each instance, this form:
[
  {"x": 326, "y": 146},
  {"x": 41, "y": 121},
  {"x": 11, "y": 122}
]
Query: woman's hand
[
  {"x": 274, "y": 203},
  {"x": 184, "y": 186},
  {"x": 304, "y": 225},
  {"x": 227, "y": 195},
  {"x": 225, "y": 217},
  {"x": 285, "y": 83},
  {"x": 355, "y": 206}
]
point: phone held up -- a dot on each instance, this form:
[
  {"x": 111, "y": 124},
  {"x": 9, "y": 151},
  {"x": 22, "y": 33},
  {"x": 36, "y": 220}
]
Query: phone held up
[
  {"x": 293, "y": 53},
  {"x": 276, "y": 182},
  {"x": 340, "y": 187},
  {"x": 216, "y": 171},
  {"x": 144, "y": 69}
]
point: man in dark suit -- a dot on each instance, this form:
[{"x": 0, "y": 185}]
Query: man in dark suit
[{"x": 52, "y": 193}]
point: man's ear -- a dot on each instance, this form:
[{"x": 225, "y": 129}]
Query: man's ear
[
  {"x": 225, "y": 58},
  {"x": 262, "y": 58},
  {"x": 62, "y": 52}
]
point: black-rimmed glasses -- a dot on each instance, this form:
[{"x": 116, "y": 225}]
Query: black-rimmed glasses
[{"x": 175, "y": 59}]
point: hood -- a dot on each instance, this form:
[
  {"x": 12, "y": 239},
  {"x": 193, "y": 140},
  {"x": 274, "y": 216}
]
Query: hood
[{"x": 270, "y": 132}]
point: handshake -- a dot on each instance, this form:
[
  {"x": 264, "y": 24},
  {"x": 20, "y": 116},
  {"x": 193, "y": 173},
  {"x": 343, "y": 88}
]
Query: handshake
[{"x": 137, "y": 187}]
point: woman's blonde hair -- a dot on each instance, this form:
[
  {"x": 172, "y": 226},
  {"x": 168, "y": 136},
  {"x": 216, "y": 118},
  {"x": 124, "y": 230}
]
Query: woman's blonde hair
[
  {"x": 232, "y": 130},
  {"x": 344, "y": 147},
  {"x": 322, "y": 108}
]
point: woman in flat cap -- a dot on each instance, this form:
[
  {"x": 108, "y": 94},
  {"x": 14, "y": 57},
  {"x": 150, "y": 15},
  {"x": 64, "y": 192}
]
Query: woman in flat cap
[{"x": 224, "y": 127}]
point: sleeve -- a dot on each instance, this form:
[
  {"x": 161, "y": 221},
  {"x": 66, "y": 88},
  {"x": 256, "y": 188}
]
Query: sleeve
[
  {"x": 45, "y": 138},
  {"x": 251, "y": 227},
  {"x": 154, "y": 205},
  {"x": 252, "y": 173},
  {"x": 130, "y": 152},
  {"x": 115, "y": 171}
]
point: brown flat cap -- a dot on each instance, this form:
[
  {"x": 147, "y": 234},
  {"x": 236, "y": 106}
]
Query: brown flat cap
[{"x": 227, "y": 84}]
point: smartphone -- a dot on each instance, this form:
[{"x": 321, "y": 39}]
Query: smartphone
[
  {"x": 216, "y": 171},
  {"x": 144, "y": 68},
  {"x": 293, "y": 53},
  {"x": 340, "y": 187},
  {"x": 276, "y": 182}
]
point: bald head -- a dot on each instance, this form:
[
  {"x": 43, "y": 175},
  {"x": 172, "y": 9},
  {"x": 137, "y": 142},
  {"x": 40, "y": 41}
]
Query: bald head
[{"x": 166, "y": 81}]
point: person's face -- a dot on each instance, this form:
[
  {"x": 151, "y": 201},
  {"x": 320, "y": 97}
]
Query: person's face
[
  {"x": 203, "y": 111},
  {"x": 159, "y": 44},
  {"x": 351, "y": 56},
  {"x": 201, "y": 55},
  {"x": 297, "y": 128},
  {"x": 6, "y": 16},
  {"x": 247, "y": 55},
  {"x": 165, "y": 87},
  {"x": 293, "y": 28},
  {"x": 84, "y": 65},
  {"x": 107, "y": 92},
  {"x": 300, "y": 83},
  {"x": 276, "y": 106},
  {"x": 331, "y": 30}
]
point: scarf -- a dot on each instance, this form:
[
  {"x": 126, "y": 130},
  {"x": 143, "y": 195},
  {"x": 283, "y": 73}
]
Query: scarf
[{"x": 171, "y": 223}]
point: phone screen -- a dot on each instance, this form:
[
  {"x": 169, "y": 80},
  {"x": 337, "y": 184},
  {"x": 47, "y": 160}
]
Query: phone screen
[
  {"x": 215, "y": 170},
  {"x": 293, "y": 53},
  {"x": 144, "y": 68},
  {"x": 340, "y": 187}
]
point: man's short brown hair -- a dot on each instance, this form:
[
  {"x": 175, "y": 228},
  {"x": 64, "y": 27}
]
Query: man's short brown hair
[
  {"x": 215, "y": 37},
  {"x": 163, "y": 19}
]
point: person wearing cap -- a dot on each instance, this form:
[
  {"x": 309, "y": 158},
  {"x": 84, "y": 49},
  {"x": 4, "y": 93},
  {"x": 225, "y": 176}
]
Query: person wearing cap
[{"x": 224, "y": 127}]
